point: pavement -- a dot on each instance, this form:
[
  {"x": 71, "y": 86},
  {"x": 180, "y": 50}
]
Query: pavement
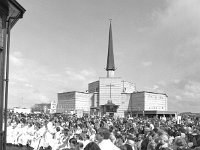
[{"x": 11, "y": 147}]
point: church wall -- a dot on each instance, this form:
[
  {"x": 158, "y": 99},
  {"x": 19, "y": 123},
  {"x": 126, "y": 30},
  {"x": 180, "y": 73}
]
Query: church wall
[
  {"x": 137, "y": 101},
  {"x": 105, "y": 92},
  {"x": 93, "y": 87},
  {"x": 95, "y": 99},
  {"x": 83, "y": 101},
  {"x": 128, "y": 87},
  {"x": 125, "y": 104}
]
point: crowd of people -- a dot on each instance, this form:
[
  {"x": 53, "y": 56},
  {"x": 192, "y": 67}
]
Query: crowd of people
[{"x": 68, "y": 132}]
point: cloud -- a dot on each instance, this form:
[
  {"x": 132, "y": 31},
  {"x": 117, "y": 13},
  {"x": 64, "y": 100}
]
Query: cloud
[
  {"x": 185, "y": 91},
  {"x": 38, "y": 83},
  {"x": 146, "y": 63},
  {"x": 176, "y": 81},
  {"x": 43, "y": 98},
  {"x": 74, "y": 75},
  {"x": 174, "y": 37},
  {"x": 174, "y": 41},
  {"x": 85, "y": 76},
  {"x": 162, "y": 83},
  {"x": 15, "y": 61},
  {"x": 155, "y": 87},
  {"x": 178, "y": 97},
  {"x": 28, "y": 85},
  {"x": 192, "y": 90}
]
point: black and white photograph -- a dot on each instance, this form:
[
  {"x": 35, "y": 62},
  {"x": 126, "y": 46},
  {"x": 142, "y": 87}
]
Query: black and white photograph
[{"x": 99, "y": 74}]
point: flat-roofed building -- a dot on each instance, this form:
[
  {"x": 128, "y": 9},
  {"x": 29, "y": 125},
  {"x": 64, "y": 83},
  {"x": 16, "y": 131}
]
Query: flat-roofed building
[
  {"x": 73, "y": 101},
  {"x": 149, "y": 101}
]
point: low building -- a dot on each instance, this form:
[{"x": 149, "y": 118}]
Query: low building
[
  {"x": 149, "y": 104},
  {"x": 73, "y": 101},
  {"x": 148, "y": 101},
  {"x": 22, "y": 110}
]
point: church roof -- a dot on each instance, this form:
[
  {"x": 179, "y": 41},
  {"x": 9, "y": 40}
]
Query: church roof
[
  {"x": 149, "y": 92},
  {"x": 110, "y": 57}
]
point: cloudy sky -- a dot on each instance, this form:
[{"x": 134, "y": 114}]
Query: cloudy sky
[{"x": 62, "y": 46}]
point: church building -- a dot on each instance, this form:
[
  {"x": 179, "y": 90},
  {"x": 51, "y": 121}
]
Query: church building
[{"x": 112, "y": 95}]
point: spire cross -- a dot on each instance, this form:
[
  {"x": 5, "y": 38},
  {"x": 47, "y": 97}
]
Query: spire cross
[{"x": 110, "y": 85}]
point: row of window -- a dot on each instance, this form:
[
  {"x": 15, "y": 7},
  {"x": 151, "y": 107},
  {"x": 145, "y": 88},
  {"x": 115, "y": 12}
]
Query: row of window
[
  {"x": 156, "y": 107},
  {"x": 155, "y": 96},
  {"x": 64, "y": 106}
]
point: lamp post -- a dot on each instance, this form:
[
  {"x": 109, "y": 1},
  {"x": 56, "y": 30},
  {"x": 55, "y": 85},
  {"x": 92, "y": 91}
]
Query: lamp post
[{"x": 10, "y": 12}]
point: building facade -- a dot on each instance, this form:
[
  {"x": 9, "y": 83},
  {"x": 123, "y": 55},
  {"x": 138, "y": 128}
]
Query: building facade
[
  {"x": 73, "y": 101},
  {"x": 148, "y": 101},
  {"x": 111, "y": 92},
  {"x": 110, "y": 89}
]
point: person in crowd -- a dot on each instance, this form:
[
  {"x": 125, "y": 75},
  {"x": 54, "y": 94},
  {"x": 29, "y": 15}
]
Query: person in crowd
[
  {"x": 103, "y": 138},
  {"x": 126, "y": 147},
  {"x": 92, "y": 146},
  {"x": 119, "y": 140},
  {"x": 60, "y": 132},
  {"x": 73, "y": 144},
  {"x": 130, "y": 140},
  {"x": 138, "y": 141}
]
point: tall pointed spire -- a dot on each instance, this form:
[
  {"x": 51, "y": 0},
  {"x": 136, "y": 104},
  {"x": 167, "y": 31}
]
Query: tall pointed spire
[{"x": 110, "y": 58}]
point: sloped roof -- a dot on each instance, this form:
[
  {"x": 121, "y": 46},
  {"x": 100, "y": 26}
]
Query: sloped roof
[{"x": 110, "y": 57}]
